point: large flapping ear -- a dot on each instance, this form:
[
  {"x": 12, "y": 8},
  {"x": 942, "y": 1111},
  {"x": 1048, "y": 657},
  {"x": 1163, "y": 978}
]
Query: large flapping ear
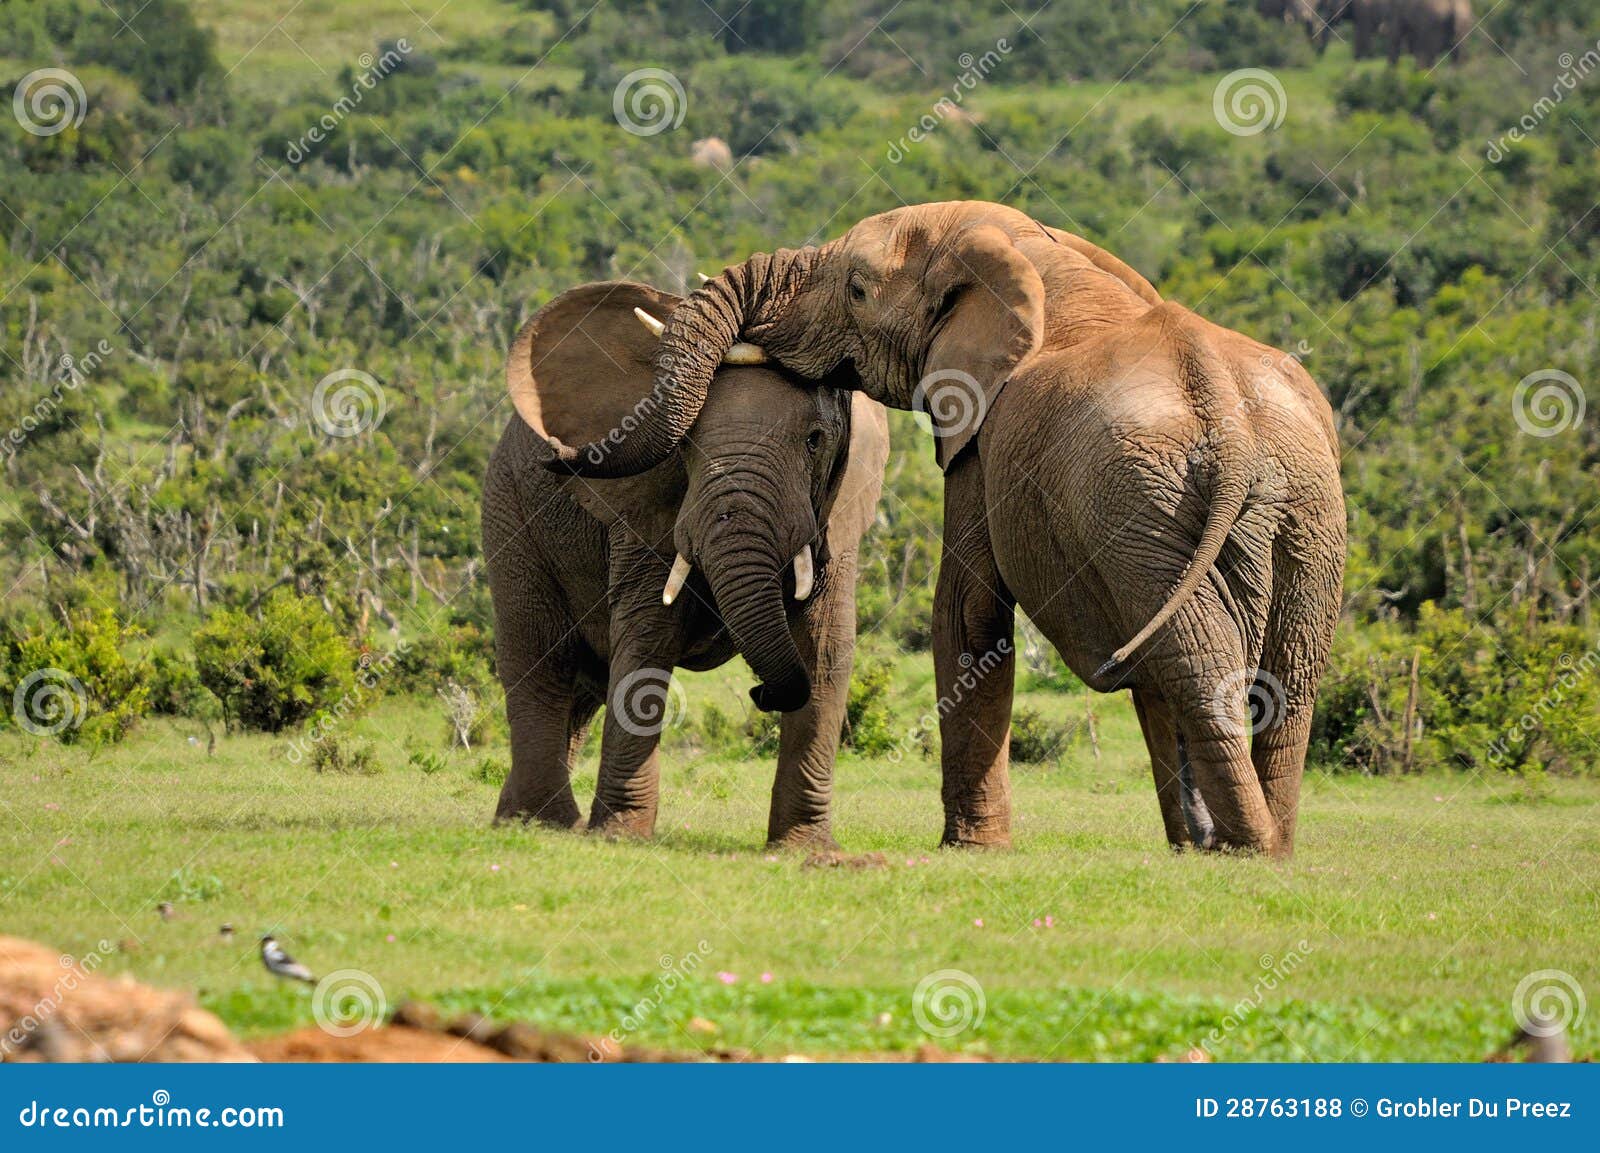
[
  {"x": 581, "y": 367},
  {"x": 852, "y": 500},
  {"x": 988, "y": 302}
]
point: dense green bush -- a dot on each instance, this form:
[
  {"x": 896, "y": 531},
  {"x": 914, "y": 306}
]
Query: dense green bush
[
  {"x": 1036, "y": 739},
  {"x": 275, "y": 670},
  {"x": 71, "y": 679},
  {"x": 1513, "y": 694},
  {"x": 350, "y": 756},
  {"x": 868, "y": 726}
]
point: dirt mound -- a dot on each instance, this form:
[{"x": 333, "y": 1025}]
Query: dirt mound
[
  {"x": 54, "y": 1008},
  {"x": 394, "y": 1043}
]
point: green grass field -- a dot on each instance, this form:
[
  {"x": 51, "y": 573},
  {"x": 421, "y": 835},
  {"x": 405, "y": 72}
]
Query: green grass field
[{"x": 1399, "y": 932}]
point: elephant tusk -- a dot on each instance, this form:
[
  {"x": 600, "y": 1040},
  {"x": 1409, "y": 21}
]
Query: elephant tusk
[
  {"x": 704, "y": 279},
  {"x": 649, "y": 321},
  {"x": 675, "y": 579},
  {"x": 740, "y": 353},
  {"x": 743, "y": 353},
  {"x": 804, "y": 575}
]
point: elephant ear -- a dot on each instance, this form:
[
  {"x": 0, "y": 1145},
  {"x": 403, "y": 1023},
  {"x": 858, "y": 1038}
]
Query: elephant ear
[
  {"x": 988, "y": 302},
  {"x": 851, "y": 504},
  {"x": 581, "y": 367}
]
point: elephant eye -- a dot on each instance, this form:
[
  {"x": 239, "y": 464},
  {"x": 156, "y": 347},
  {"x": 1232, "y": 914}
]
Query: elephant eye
[
  {"x": 857, "y": 290},
  {"x": 814, "y": 441}
]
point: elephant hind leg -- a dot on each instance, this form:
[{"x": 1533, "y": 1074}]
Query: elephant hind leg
[
  {"x": 1161, "y": 739},
  {"x": 1300, "y": 624}
]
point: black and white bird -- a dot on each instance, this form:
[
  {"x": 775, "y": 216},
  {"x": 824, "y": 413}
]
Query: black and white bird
[
  {"x": 281, "y": 964},
  {"x": 226, "y": 933}
]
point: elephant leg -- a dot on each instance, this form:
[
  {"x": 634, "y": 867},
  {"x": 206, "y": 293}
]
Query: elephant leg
[
  {"x": 1161, "y": 739},
  {"x": 974, "y": 661},
  {"x": 1300, "y": 624},
  {"x": 539, "y": 786},
  {"x": 639, "y": 704},
  {"x": 1196, "y": 665},
  {"x": 802, "y": 791}
]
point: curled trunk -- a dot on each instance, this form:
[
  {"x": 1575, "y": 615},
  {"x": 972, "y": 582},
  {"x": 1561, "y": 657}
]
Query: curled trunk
[
  {"x": 734, "y": 304},
  {"x": 749, "y": 592}
]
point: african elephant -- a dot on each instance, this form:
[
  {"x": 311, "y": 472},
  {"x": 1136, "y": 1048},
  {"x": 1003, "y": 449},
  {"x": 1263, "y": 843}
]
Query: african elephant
[
  {"x": 1160, "y": 495},
  {"x": 602, "y": 587},
  {"x": 1428, "y": 29}
]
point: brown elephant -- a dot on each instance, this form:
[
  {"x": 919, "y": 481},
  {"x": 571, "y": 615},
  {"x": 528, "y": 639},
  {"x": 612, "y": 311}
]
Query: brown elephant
[
  {"x": 1428, "y": 29},
  {"x": 602, "y": 587},
  {"x": 1160, "y": 495}
]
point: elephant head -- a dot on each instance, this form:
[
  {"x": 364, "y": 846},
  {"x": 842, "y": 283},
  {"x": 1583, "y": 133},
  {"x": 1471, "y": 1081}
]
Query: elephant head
[
  {"x": 746, "y": 495},
  {"x": 929, "y": 307}
]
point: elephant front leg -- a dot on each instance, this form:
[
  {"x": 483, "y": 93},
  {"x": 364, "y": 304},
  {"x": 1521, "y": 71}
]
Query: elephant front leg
[
  {"x": 802, "y": 790},
  {"x": 639, "y": 705},
  {"x": 974, "y": 664}
]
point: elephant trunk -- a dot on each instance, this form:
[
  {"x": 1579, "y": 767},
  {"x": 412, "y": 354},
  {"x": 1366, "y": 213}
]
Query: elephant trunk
[
  {"x": 749, "y": 592},
  {"x": 701, "y": 330}
]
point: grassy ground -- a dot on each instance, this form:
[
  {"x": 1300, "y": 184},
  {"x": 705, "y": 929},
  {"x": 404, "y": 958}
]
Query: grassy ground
[{"x": 1400, "y": 931}]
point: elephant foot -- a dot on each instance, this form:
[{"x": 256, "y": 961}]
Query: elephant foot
[
  {"x": 622, "y": 824},
  {"x": 810, "y": 838},
  {"x": 972, "y": 834},
  {"x": 552, "y": 815}
]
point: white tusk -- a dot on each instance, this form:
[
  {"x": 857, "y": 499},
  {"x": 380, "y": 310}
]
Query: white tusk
[
  {"x": 743, "y": 353},
  {"x": 675, "y": 579},
  {"x": 704, "y": 279},
  {"x": 804, "y": 576},
  {"x": 649, "y": 321}
]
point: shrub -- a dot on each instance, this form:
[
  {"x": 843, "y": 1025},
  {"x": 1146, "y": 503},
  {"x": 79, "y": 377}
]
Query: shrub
[
  {"x": 71, "y": 680},
  {"x": 1504, "y": 693},
  {"x": 175, "y": 688},
  {"x": 491, "y": 771},
  {"x": 1035, "y": 738},
  {"x": 349, "y": 755},
  {"x": 274, "y": 672},
  {"x": 867, "y": 721}
]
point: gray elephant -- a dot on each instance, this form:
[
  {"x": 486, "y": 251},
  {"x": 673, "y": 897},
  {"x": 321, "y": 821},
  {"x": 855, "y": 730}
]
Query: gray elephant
[
  {"x": 1160, "y": 495},
  {"x": 743, "y": 538}
]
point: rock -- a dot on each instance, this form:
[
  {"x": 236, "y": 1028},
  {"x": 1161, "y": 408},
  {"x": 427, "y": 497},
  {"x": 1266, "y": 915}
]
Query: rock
[
  {"x": 711, "y": 152},
  {"x": 58, "y": 1008}
]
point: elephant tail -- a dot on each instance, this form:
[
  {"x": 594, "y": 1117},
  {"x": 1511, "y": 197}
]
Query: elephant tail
[{"x": 1227, "y": 502}]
